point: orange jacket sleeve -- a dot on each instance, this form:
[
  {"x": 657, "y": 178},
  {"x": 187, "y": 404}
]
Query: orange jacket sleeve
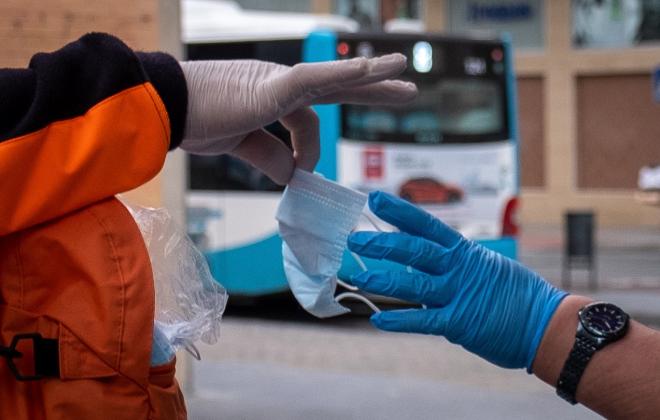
[{"x": 84, "y": 123}]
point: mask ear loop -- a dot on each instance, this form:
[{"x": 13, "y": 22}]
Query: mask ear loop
[
  {"x": 373, "y": 223},
  {"x": 190, "y": 347},
  {"x": 354, "y": 289},
  {"x": 357, "y": 257},
  {"x": 194, "y": 351},
  {"x": 359, "y": 297},
  {"x": 363, "y": 266},
  {"x": 347, "y": 286}
]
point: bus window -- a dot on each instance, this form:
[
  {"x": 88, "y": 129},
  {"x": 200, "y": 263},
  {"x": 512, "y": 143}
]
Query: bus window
[
  {"x": 461, "y": 98},
  {"x": 470, "y": 106},
  {"x": 451, "y": 110},
  {"x": 226, "y": 172}
]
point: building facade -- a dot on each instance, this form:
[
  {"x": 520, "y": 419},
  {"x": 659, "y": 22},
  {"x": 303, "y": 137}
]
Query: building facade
[{"x": 588, "y": 119}]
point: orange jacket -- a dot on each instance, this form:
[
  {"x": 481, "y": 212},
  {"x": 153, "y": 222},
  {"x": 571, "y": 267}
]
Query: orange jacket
[{"x": 78, "y": 126}]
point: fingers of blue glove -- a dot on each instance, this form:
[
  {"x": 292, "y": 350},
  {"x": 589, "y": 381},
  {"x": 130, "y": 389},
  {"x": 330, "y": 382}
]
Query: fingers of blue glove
[
  {"x": 421, "y": 321},
  {"x": 411, "y": 219},
  {"x": 402, "y": 248},
  {"x": 411, "y": 287}
]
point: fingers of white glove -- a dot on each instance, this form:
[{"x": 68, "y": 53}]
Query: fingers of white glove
[
  {"x": 381, "y": 68},
  {"x": 318, "y": 79},
  {"x": 387, "y": 92},
  {"x": 267, "y": 153},
  {"x": 315, "y": 79},
  {"x": 411, "y": 287},
  {"x": 421, "y": 321},
  {"x": 402, "y": 248},
  {"x": 411, "y": 219},
  {"x": 303, "y": 124}
]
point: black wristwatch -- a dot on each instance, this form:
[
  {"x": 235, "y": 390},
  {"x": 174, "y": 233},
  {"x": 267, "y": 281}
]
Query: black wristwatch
[{"x": 599, "y": 325}]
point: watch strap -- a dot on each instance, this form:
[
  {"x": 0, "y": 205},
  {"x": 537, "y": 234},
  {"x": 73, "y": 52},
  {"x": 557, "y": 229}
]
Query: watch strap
[{"x": 577, "y": 361}]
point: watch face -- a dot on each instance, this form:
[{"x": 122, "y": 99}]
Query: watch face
[{"x": 604, "y": 319}]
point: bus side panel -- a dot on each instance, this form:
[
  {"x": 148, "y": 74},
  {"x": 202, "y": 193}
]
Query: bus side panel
[
  {"x": 238, "y": 232},
  {"x": 507, "y": 246},
  {"x": 250, "y": 270},
  {"x": 512, "y": 102},
  {"x": 322, "y": 46}
]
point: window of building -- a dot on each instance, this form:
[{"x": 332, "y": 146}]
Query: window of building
[
  {"x": 618, "y": 130},
  {"x": 530, "y": 112},
  {"x": 615, "y": 23}
]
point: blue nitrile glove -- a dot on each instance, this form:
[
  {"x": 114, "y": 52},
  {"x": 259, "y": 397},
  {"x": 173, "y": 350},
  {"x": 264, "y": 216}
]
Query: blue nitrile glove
[{"x": 489, "y": 304}]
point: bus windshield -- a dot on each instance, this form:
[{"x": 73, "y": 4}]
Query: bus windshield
[
  {"x": 461, "y": 98},
  {"x": 447, "y": 111}
]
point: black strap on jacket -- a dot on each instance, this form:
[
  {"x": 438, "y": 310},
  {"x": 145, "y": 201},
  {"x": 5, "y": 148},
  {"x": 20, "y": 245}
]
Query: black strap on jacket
[{"x": 46, "y": 357}]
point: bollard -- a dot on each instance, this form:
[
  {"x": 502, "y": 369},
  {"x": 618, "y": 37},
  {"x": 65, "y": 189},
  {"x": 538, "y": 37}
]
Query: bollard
[{"x": 579, "y": 246}]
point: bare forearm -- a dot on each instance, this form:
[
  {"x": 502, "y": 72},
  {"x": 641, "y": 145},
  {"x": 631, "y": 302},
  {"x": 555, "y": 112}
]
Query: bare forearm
[{"x": 621, "y": 381}]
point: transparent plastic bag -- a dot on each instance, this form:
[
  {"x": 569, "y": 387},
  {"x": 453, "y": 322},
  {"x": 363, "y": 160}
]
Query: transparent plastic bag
[{"x": 189, "y": 301}]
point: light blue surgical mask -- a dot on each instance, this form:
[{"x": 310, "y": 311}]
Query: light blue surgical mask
[
  {"x": 162, "y": 351},
  {"x": 315, "y": 218}
]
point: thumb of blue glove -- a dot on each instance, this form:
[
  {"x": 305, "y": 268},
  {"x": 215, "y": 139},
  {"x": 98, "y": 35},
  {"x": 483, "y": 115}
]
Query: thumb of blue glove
[{"x": 489, "y": 304}]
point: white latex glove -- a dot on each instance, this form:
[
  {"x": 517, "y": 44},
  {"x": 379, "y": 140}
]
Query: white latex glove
[{"x": 229, "y": 103}]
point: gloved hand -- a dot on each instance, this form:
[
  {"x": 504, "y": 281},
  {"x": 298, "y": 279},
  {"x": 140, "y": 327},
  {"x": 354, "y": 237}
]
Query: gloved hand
[
  {"x": 230, "y": 101},
  {"x": 489, "y": 304}
]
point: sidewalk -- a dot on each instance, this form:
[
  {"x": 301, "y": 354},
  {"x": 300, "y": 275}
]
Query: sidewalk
[
  {"x": 627, "y": 267},
  {"x": 345, "y": 369},
  {"x": 288, "y": 370}
]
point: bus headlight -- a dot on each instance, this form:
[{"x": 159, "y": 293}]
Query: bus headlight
[{"x": 422, "y": 57}]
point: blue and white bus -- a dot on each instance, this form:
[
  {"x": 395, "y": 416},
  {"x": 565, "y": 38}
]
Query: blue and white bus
[{"x": 454, "y": 151}]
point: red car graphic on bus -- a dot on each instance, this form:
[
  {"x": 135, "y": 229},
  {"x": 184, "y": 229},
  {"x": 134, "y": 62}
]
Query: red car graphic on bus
[{"x": 429, "y": 191}]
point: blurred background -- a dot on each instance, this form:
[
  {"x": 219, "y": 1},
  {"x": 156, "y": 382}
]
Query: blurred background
[{"x": 536, "y": 132}]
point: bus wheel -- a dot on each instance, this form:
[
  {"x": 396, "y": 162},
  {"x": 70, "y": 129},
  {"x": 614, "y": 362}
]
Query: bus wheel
[{"x": 453, "y": 198}]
